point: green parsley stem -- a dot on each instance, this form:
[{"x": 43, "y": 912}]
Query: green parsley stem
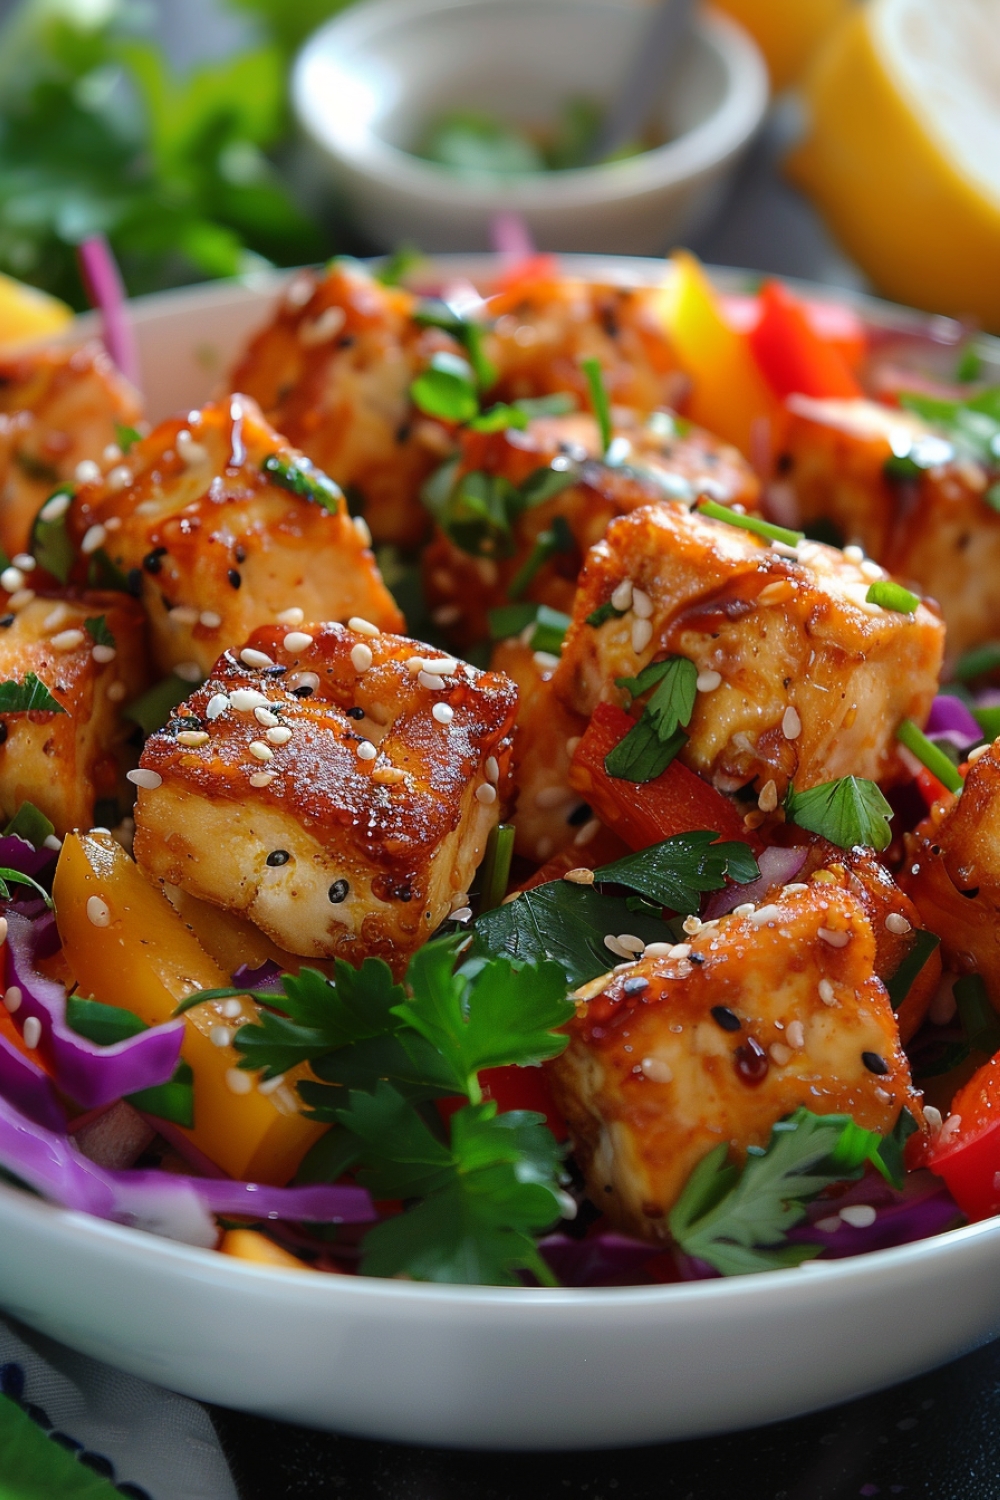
[
  {"x": 929, "y": 755},
  {"x": 716, "y": 512},
  {"x": 496, "y": 867}
]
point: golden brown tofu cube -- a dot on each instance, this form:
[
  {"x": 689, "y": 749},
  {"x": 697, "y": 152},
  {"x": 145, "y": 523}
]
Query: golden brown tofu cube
[
  {"x": 932, "y": 527},
  {"x": 800, "y": 678},
  {"x": 334, "y": 787},
  {"x": 468, "y": 569},
  {"x": 765, "y": 1013},
  {"x": 332, "y": 371},
  {"x": 66, "y": 762},
  {"x": 222, "y": 527},
  {"x": 58, "y": 408}
]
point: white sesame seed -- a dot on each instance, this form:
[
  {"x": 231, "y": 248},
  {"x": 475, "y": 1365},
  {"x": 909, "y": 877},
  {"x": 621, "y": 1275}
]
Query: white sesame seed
[
  {"x": 94, "y": 537},
  {"x": 188, "y": 451},
  {"x": 361, "y": 657},
  {"x": 657, "y": 1071},
  {"x": 67, "y": 640},
  {"x": 795, "y": 888},
  {"x": 779, "y": 1053},
  {"x": 708, "y": 681},
  {"x": 975, "y": 754},
  {"x": 834, "y": 939},
  {"x": 279, "y": 735},
  {"x": 11, "y": 579},
  {"x": 854, "y": 554},
  {"x": 791, "y": 724},
  {"x": 297, "y": 640},
  {"x": 103, "y": 654},
  {"x": 321, "y": 329},
  {"x": 552, "y": 796},
  {"x": 113, "y": 523},
  {"x": 232, "y": 1008},
  {"x": 56, "y": 617},
  {"x": 362, "y": 626},
  {"x": 415, "y": 664},
  {"x": 361, "y": 527},
  {"x": 245, "y": 699},
  {"x": 210, "y": 619},
  {"x": 745, "y": 909},
  {"x": 366, "y": 750},
  {"x": 98, "y": 912},
  {"x": 491, "y": 769},
  {"x": 587, "y": 832},
  {"x": 86, "y": 472},
  {"x": 262, "y": 778},
  {"x": 217, "y": 704},
  {"x": 116, "y": 692},
  {"x": 291, "y": 617},
  {"x": 692, "y": 925},
  {"x": 545, "y": 661},
  {"x": 298, "y": 292},
  {"x": 826, "y": 992},
  {"x": 642, "y": 604},
  {"x": 582, "y": 875},
  {"x": 612, "y": 943},
  {"x": 260, "y": 751},
  {"x": 871, "y": 569},
  {"x": 192, "y": 738},
  {"x": 3, "y": 920},
  {"x": 765, "y": 914},
  {"x": 270, "y": 1085},
  {"x": 32, "y": 1032},
  {"x": 431, "y": 681},
  {"x": 120, "y": 478},
  {"x": 768, "y": 799},
  {"x": 897, "y": 923},
  {"x": 112, "y": 453},
  {"x": 265, "y": 716},
  {"x": 631, "y": 943},
  {"x": 622, "y": 596},
  {"x": 221, "y": 1036},
  {"x": 463, "y": 914},
  {"x": 859, "y": 1215},
  {"x": 934, "y": 1121},
  {"x": 183, "y": 614},
  {"x": 24, "y": 561},
  {"x": 572, "y": 743},
  {"x": 237, "y": 1081},
  {"x": 303, "y": 680},
  {"x": 20, "y": 600},
  {"x": 486, "y": 794},
  {"x": 443, "y": 713},
  {"x": 642, "y": 634},
  {"x": 658, "y": 950},
  {"x": 795, "y": 1034},
  {"x": 148, "y": 780},
  {"x": 449, "y": 614},
  {"x": 188, "y": 671},
  {"x": 253, "y": 658},
  {"x": 12, "y": 999}
]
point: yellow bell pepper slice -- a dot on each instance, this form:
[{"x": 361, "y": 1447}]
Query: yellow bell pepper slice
[
  {"x": 26, "y": 314},
  {"x": 146, "y": 959},
  {"x": 729, "y": 393},
  {"x": 248, "y": 1244}
]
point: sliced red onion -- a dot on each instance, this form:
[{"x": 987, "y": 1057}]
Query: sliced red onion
[
  {"x": 511, "y": 236},
  {"x": 949, "y": 715},
  {"x": 88, "y": 1073},
  {"x": 266, "y": 978},
  {"x": 25, "y": 1086},
  {"x": 777, "y": 867},
  {"x": 107, "y": 293},
  {"x": 179, "y": 1208},
  {"x": 17, "y": 854}
]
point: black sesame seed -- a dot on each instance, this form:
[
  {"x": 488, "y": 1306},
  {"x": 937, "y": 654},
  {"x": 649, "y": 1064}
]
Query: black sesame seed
[
  {"x": 7, "y": 621},
  {"x": 726, "y": 1018},
  {"x": 305, "y": 691},
  {"x": 279, "y": 857},
  {"x": 581, "y": 814},
  {"x": 240, "y": 553},
  {"x": 339, "y": 892},
  {"x": 875, "y": 1064},
  {"x": 153, "y": 561},
  {"x": 403, "y": 893},
  {"x": 353, "y": 713},
  {"x": 635, "y": 986},
  {"x": 784, "y": 463},
  {"x": 403, "y": 432},
  {"x": 347, "y": 341},
  {"x": 234, "y": 578},
  {"x": 133, "y": 582}
]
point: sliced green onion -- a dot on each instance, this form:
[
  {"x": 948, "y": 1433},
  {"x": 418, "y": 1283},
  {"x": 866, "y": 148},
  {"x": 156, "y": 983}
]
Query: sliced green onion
[
  {"x": 510, "y": 619},
  {"x": 496, "y": 866},
  {"x": 558, "y": 538},
  {"x": 550, "y": 630},
  {"x": 716, "y": 512},
  {"x": 892, "y": 596},
  {"x": 599, "y": 399},
  {"x": 929, "y": 755},
  {"x": 977, "y": 662}
]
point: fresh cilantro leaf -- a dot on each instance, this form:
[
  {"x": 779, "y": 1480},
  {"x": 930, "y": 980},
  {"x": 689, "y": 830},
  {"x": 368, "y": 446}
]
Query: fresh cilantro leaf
[
  {"x": 498, "y": 419},
  {"x": 567, "y": 924},
  {"x": 320, "y": 1016},
  {"x": 556, "y": 539},
  {"x": 737, "y": 1220},
  {"x": 765, "y": 529},
  {"x": 97, "y": 628},
  {"x": 973, "y": 425},
  {"x": 30, "y": 824},
  {"x": 50, "y": 544},
  {"x": 676, "y": 872},
  {"x": 126, "y": 437},
  {"x": 153, "y": 708},
  {"x": 969, "y": 365},
  {"x": 848, "y": 812},
  {"x": 929, "y": 755},
  {"x": 889, "y": 1158},
  {"x": 396, "y": 267},
  {"x": 432, "y": 312},
  {"x": 599, "y": 399},
  {"x": 333, "y": 1154},
  {"x": 649, "y": 747},
  {"x": 104, "y": 573},
  {"x": 901, "y": 981},
  {"x": 29, "y": 696},
  {"x": 892, "y": 596},
  {"x": 545, "y": 483},
  {"x": 173, "y": 1100},
  {"x": 446, "y": 389},
  {"x": 301, "y": 477}
]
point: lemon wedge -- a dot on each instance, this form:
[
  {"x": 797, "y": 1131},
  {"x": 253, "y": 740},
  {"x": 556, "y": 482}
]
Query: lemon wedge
[
  {"x": 902, "y": 151},
  {"x": 27, "y": 314},
  {"x": 786, "y": 31}
]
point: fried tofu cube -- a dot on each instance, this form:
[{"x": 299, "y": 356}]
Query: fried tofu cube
[
  {"x": 67, "y": 762},
  {"x": 221, "y": 527},
  {"x": 800, "y": 678},
  {"x": 766, "y": 1013},
  {"x": 336, "y": 789},
  {"x": 332, "y": 371},
  {"x": 930, "y": 525},
  {"x": 470, "y": 568},
  {"x": 58, "y": 408}
]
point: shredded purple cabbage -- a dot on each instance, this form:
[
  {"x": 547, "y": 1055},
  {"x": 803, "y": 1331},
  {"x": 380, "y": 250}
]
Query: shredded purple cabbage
[
  {"x": 17, "y": 854},
  {"x": 90, "y": 1074},
  {"x": 922, "y": 1208},
  {"x": 605, "y": 1259},
  {"x": 777, "y": 867},
  {"x": 29, "y": 1088},
  {"x": 266, "y": 978},
  {"x": 950, "y": 716}
]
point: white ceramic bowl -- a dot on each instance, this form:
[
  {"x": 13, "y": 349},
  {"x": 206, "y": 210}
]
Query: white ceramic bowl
[
  {"x": 475, "y": 1366},
  {"x": 367, "y": 82}
]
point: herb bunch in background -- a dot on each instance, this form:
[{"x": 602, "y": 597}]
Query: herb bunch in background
[{"x": 99, "y": 136}]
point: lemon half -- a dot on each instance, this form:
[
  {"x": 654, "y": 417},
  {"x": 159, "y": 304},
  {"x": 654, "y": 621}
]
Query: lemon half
[{"x": 26, "y": 314}]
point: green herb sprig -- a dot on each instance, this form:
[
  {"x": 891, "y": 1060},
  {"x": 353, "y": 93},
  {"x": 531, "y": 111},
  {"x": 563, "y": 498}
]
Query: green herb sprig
[
  {"x": 850, "y": 811},
  {"x": 29, "y": 696},
  {"x": 653, "y": 742}
]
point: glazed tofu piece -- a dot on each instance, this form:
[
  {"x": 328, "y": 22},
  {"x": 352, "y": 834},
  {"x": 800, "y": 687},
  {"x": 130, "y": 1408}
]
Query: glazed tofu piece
[
  {"x": 469, "y": 569},
  {"x": 932, "y": 527},
  {"x": 336, "y": 788},
  {"x": 332, "y": 371},
  {"x": 800, "y": 678},
  {"x": 221, "y": 527},
  {"x": 59, "y": 408},
  {"x": 67, "y": 762},
  {"x": 543, "y": 327},
  {"x": 756, "y": 1016}
]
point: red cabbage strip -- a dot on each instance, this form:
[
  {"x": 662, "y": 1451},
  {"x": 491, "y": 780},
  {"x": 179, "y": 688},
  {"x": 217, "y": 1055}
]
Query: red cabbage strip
[
  {"x": 604, "y": 1259},
  {"x": 179, "y": 1208},
  {"x": 90, "y": 1074},
  {"x": 17, "y": 854},
  {"x": 949, "y": 715},
  {"x": 23, "y": 1084},
  {"x": 777, "y": 867}
]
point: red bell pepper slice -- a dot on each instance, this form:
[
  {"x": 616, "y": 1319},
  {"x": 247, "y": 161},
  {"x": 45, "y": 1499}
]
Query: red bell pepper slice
[
  {"x": 967, "y": 1155},
  {"x": 792, "y": 355},
  {"x": 644, "y": 813}
]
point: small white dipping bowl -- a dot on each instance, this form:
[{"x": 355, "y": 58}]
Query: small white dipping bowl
[{"x": 366, "y": 85}]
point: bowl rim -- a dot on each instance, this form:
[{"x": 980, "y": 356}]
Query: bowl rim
[{"x": 707, "y": 145}]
